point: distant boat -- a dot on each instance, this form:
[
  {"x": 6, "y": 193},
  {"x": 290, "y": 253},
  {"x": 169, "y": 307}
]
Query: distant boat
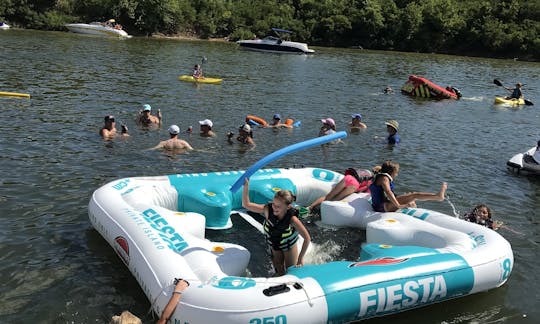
[
  {"x": 3, "y": 25},
  {"x": 276, "y": 44},
  {"x": 108, "y": 28}
]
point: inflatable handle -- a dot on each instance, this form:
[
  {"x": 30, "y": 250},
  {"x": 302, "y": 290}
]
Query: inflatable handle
[{"x": 284, "y": 151}]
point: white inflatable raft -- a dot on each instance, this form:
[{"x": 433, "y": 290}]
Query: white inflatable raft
[{"x": 411, "y": 259}]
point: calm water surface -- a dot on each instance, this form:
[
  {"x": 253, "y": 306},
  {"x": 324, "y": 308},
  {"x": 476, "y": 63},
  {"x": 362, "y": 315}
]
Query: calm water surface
[{"x": 57, "y": 269}]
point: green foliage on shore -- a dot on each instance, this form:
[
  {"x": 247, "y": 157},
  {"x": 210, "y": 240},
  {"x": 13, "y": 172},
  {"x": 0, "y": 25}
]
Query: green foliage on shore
[{"x": 503, "y": 28}]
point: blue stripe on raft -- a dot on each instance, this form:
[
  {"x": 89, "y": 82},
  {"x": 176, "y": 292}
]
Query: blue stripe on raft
[
  {"x": 284, "y": 151},
  {"x": 409, "y": 282}
]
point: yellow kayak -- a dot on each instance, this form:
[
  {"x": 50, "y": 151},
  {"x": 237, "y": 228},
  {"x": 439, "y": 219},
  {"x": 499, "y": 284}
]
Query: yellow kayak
[
  {"x": 509, "y": 102},
  {"x": 14, "y": 94},
  {"x": 189, "y": 78}
]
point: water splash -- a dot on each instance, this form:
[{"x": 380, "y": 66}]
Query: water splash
[{"x": 454, "y": 211}]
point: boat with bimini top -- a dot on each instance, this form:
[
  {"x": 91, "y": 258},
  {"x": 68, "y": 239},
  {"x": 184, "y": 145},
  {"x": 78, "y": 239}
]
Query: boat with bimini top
[
  {"x": 276, "y": 44},
  {"x": 411, "y": 258}
]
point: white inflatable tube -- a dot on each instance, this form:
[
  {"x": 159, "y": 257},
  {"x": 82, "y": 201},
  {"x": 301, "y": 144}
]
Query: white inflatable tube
[{"x": 284, "y": 151}]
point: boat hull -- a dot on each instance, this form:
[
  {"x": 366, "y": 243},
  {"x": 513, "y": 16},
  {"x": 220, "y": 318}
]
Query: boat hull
[
  {"x": 274, "y": 46},
  {"x": 96, "y": 29},
  {"x": 509, "y": 102},
  {"x": 190, "y": 78}
]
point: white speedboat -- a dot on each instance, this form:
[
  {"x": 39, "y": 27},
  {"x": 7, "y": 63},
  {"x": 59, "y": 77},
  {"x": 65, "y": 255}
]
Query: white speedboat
[
  {"x": 525, "y": 163},
  {"x": 100, "y": 29},
  {"x": 276, "y": 44},
  {"x": 3, "y": 25}
]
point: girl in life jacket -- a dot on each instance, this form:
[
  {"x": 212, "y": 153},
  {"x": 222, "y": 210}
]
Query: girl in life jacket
[
  {"x": 281, "y": 228},
  {"x": 383, "y": 198}
]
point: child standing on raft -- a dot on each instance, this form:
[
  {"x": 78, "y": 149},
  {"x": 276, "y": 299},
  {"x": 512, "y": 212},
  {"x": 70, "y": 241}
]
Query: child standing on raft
[
  {"x": 383, "y": 198},
  {"x": 281, "y": 228}
]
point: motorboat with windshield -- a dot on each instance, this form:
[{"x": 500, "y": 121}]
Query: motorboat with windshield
[
  {"x": 276, "y": 44},
  {"x": 109, "y": 28}
]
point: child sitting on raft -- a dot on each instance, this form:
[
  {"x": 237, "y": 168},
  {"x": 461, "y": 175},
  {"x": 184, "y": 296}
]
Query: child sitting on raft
[
  {"x": 353, "y": 181},
  {"x": 281, "y": 228},
  {"x": 383, "y": 198},
  {"x": 481, "y": 214}
]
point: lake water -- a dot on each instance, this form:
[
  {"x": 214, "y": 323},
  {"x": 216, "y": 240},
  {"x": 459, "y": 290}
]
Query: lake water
[{"x": 58, "y": 269}]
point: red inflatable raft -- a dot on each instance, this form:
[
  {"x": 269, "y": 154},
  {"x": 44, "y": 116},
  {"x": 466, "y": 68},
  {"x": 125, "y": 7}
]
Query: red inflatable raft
[{"x": 418, "y": 86}]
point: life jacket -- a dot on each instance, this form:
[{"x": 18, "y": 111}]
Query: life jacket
[{"x": 363, "y": 176}]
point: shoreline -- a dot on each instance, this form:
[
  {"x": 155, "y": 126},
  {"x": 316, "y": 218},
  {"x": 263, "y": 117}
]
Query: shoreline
[
  {"x": 190, "y": 37},
  {"x": 194, "y": 37}
]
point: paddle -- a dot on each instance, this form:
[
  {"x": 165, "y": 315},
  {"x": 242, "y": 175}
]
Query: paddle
[{"x": 499, "y": 83}]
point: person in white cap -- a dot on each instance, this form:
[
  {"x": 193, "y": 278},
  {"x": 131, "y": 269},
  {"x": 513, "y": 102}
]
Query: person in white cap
[
  {"x": 245, "y": 135},
  {"x": 145, "y": 117},
  {"x": 173, "y": 143},
  {"x": 206, "y": 128}
]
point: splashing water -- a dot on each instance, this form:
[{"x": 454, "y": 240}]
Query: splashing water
[{"x": 454, "y": 211}]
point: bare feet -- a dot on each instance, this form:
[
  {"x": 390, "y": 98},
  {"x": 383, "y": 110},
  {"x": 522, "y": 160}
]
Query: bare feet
[{"x": 442, "y": 192}]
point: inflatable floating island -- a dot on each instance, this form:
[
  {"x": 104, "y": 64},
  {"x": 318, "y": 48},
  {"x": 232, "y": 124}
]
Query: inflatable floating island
[{"x": 411, "y": 258}]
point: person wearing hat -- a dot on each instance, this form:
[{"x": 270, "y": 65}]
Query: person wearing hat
[
  {"x": 328, "y": 127},
  {"x": 146, "y": 118},
  {"x": 392, "y": 127},
  {"x": 516, "y": 92},
  {"x": 276, "y": 122},
  {"x": 173, "y": 143},
  {"x": 108, "y": 131},
  {"x": 356, "y": 122},
  {"x": 245, "y": 135},
  {"x": 206, "y": 128}
]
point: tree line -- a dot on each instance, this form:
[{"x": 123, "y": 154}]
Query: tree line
[{"x": 495, "y": 28}]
